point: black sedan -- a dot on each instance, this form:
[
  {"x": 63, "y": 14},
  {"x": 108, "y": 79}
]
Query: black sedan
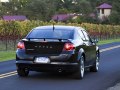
[{"x": 57, "y": 49}]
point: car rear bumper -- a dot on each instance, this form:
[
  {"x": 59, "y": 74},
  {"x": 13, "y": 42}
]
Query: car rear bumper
[{"x": 53, "y": 66}]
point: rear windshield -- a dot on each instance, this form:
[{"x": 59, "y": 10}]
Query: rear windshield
[{"x": 59, "y": 34}]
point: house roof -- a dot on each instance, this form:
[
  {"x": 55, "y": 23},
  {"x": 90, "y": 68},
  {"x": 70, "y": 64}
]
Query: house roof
[
  {"x": 60, "y": 17},
  {"x": 104, "y": 6},
  {"x": 16, "y": 17}
]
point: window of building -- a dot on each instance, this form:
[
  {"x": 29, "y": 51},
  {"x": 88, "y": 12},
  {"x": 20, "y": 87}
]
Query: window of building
[{"x": 102, "y": 11}]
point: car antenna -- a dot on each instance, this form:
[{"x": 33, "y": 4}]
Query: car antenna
[{"x": 53, "y": 27}]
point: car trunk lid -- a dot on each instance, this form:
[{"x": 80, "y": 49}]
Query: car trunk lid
[{"x": 44, "y": 47}]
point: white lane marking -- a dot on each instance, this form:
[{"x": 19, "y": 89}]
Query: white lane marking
[
  {"x": 15, "y": 72},
  {"x": 8, "y": 74},
  {"x": 110, "y": 48}
]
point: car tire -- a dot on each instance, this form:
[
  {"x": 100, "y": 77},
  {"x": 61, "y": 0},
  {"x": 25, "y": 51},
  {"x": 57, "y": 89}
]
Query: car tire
[
  {"x": 95, "y": 66},
  {"x": 22, "y": 72},
  {"x": 80, "y": 73}
]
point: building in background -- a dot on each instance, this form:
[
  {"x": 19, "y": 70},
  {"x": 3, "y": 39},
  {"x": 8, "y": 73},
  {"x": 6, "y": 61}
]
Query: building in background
[
  {"x": 15, "y": 18},
  {"x": 104, "y": 10}
]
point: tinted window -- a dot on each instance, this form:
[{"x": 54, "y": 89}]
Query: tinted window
[
  {"x": 60, "y": 34},
  {"x": 86, "y": 35},
  {"x": 81, "y": 34}
]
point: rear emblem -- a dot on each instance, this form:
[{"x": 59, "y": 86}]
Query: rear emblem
[{"x": 44, "y": 47}]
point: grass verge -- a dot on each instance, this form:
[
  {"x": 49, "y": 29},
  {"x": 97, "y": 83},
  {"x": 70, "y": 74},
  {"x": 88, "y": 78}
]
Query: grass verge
[
  {"x": 9, "y": 55},
  {"x": 108, "y": 41}
]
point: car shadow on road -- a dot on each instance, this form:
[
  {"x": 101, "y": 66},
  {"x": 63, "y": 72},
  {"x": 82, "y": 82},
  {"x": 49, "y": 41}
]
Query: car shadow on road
[{"x": 53, "y": 76}]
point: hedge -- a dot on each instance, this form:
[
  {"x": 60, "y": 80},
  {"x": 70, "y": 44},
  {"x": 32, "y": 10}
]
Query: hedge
[{"x": 19, "y": 29}]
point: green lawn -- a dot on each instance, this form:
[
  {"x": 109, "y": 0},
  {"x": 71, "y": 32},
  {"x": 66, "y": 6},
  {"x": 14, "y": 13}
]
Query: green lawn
[
  {"x": 108, "y": 41},
  {"x": 9, "y": 55}
]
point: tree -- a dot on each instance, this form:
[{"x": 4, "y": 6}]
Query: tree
[
  {"x": 45, "y": 9},
  {"x": 114, "y": 18}
]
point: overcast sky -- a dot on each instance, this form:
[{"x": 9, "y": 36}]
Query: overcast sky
[{"x": 4, "y": 0}]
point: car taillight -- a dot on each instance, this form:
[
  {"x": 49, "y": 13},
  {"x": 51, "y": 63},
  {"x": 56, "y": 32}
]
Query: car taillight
[
  {"x": 20, "y": 45},
  {"x": 69, "y": 47}
]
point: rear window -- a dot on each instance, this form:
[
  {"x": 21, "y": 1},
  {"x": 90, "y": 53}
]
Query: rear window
[{"x": 59, "y": 34}]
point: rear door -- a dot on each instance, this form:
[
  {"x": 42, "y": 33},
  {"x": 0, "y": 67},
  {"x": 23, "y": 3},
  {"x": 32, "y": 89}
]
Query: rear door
[{"x": 90, "y": 48}]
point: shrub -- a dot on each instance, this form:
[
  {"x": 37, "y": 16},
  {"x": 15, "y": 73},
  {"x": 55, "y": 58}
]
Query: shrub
[{"x": 19, "y": 29}]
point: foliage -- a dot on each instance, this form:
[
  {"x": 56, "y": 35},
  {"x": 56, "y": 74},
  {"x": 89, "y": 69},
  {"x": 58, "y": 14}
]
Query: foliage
[
  {"x": 45, "y": 9},
  {"x": 16, "y": 30},
  {"x": 114, "y": 18}
]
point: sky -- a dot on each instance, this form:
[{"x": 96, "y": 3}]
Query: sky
[{"x": 4, "y": 0}]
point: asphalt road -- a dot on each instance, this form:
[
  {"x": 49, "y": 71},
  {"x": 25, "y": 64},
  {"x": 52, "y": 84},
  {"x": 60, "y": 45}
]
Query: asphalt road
[{"x": 108, "y": 75}]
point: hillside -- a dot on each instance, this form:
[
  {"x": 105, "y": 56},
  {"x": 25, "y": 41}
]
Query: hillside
[{"x": 45, "y": 9}]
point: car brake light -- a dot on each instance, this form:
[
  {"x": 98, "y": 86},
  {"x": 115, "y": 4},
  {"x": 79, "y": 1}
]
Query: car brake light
[
  {"x": 21, "y": 45},
  {"x": 69, "y": 46}
]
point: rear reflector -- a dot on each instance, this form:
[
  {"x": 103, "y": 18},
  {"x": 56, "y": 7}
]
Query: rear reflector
[
  {"x": 20, "y": 45},
  {"x": 69, "y": 47}
]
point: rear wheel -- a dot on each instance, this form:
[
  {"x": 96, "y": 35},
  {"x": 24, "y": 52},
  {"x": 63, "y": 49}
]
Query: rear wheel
[
  {"x": 22, "y": 72},
  {"x": 80, "y": 73},
  {"x": 95, "y": 66}
]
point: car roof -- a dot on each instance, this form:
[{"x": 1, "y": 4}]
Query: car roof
[{"x": 57, "y": 27}]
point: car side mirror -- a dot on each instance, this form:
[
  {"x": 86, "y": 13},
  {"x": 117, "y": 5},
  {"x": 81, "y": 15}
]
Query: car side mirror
[{"x": 95, "y": 40}]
